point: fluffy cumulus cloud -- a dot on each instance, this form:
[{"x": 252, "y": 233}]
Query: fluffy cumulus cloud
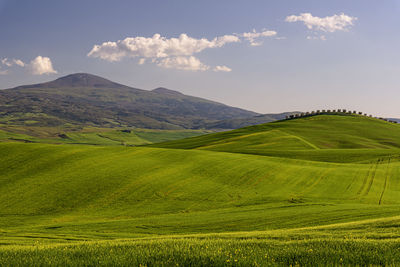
[
  {"x": 6, "y": 62},
  {"x": 41, "y": 65},
  {"x": 157, "y": 47},
  {"x": 142, "y": 61},
  {"x": 172, "y": 53},
  {"x": 183, "y": 63},
  {"x": 254, "y": 36},
  {"x": 222, "y": 69},
  {"x": 38, "y": 66},
  {"x": 9, "y": 63},
  {"x": 19, "y": 62},
  {"x": 333, "y": 23}
]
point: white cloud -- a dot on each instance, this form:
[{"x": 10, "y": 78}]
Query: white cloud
[
  {"x": 38, "y": 66},
  {"x": 254, "y": 35},
  {"x": 41, "y": 65},
  {"x": 320, "y": 37},
  {"x": 142, "y": 61},
  {"x": 333, "y": 23},
  {"x": 19, "y": 62},
  {"x": 183, "y": 63},
  {"x": 222, "y": 40},
  {"x": 10, "y": 63},
  {"x": 177, "y": 53},
  {"x": 6, "y": 62},
  {"x": 157, "y": 47},
  {"x": 222, "y": 68}
]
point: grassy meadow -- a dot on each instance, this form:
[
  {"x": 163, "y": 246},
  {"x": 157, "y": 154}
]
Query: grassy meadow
[
  {"x": 322, "y": 190},
  {"x": 74, "y": 134}
]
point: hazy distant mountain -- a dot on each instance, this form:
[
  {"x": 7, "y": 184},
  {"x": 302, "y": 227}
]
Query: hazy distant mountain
[
  {"x": 394, "y": 119},
  {"x": 91, "y": 100}
]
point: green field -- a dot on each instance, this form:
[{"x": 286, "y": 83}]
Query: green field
[
  {"x": 308, "y": 191},
  {"x": 92, "y": 135}
]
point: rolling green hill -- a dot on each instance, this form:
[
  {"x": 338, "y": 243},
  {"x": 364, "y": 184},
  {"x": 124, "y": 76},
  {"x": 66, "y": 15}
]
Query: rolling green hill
[
  {"x": 338, "y": 138},
  {"x": 130, "y": 189},
  {"x": 85, "y": 99},
  {"x": 308, "y": 191}
]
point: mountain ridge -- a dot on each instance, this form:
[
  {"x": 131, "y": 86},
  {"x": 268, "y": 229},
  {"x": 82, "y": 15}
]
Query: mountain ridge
[
  {"x": 163, "y": 90},
  {"x": 74, "y": 80},
  {"x": 91, "y": 100}
]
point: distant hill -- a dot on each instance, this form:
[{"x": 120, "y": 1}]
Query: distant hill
[
  {"x": 243, "y": 122},
  {"x": 337, "y": 138},
  {"x": 394, "y": 119},
  {"x": 256, "y": 120},
  {"x": 92, "y": 100}
]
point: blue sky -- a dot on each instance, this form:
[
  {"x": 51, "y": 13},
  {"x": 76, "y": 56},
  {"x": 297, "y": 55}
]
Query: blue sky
[{"x": 343, "y": 54}]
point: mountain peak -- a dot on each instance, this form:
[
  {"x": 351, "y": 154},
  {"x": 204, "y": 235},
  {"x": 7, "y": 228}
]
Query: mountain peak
[
  {"x": 83, "y": 80},
  {"x": 77, "y": 80},
  {"x": 165, "y": 91}
]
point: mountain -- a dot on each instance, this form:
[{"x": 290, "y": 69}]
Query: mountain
[
  {"x": 165, "y": 91},
  {"x": 77, "y": 80},
  {"x": 87, "y": 99}
]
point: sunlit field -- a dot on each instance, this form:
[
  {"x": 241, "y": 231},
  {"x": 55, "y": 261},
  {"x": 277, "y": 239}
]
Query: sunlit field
[{"x": 302, "y": 198}]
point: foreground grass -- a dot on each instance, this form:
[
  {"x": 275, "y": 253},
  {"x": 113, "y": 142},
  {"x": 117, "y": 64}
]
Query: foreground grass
[
  {"x": 211, "y": 252},
  {"x": 370, "y": 242}
]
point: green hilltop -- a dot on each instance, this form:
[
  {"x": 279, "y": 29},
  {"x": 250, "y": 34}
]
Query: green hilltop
[
  {"x": 339, "y": 137},
  {"x": 329, "y": 183}
]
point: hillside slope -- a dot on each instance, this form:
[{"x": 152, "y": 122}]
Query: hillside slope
[
  {"x": 87, "y": 190},
  {"x": 324, "y": 137},
  {"x": 72, "y": 194},
  {"x": 87, "y": 99},
  {"x": 92, "y": 135}
]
